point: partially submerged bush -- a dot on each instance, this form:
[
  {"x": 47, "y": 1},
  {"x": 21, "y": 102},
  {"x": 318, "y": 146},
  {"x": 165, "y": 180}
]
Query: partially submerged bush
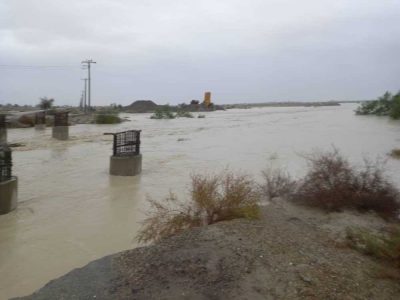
[
  {"x": 166, "y": 112},
  {"x": 395, "y": 153},
  {"x": 386, "y": 105},
  {"x": 107, "y": 118},
  {"x": 213, "y": 198},
  {"x": 28, "y": 120},
  {"x": 184, "y": 114},
  {"x": 163, "y": 112},
  {"x": 384, "y": 245},
  {"x": 277, "y": 183},
  {"x": 332, "y": 183}
]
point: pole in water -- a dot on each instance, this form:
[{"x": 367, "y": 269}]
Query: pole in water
[{"x": 85, "y": 95}]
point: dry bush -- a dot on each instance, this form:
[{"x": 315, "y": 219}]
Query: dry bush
[
  {"x": 395, "y": 153},
  {"x": 213, "y": 198},
  {"x": 383, "y": 245},
  {"x": 27, "y": 120},
  {"x": 332, "y": 183},
  {"x": 277, "y": 183},
  {"x": 375, "y": 192}
]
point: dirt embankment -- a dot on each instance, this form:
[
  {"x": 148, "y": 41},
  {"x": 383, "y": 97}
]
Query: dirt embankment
[
  {"x": 141, "y": 106},
  {"x": 291, "y": 253}
]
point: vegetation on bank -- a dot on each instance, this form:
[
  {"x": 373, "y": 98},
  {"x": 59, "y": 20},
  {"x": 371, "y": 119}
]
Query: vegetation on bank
[
  {"x": 384, "y": 245},
  {"x": 277, "y": 183},
  {"x": 213, "y": 198},
  {"x": 107, "y": 118},
  {"x": 386, "y": 105},
  {"x": 333, "y": 184}
]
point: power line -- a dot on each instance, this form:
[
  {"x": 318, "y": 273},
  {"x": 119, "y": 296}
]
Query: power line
[{"x": 29, "y": 67}]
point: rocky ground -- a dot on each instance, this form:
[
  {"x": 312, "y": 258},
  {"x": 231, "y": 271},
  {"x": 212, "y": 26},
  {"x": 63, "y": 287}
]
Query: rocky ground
[{"x": 291, "y": 253}]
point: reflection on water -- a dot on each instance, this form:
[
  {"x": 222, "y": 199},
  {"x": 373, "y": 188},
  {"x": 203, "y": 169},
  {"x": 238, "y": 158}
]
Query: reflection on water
[{"x": 71, "y": 211}]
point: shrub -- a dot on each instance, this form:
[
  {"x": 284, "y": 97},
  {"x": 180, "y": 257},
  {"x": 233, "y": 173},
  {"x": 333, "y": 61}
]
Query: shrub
[
  {"x": 277, "y": 183},
  {"x": 395, "y": 107},
  {"x": 28, "y": 120},
  {"x": 184, "y": 114},
  {"x": 213, "y": 198},
  {"x": 107, "y": 118},
  {"x": 388, "y": 104},
  {"x": 163, "y": 112},
  {"x": 331, "y": 183},
  {"x": 384, "y": 245},
  {"x": 395, "y": 153}
]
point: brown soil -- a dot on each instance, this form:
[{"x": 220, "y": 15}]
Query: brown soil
[
  {"x": 142, "y": 106},
  {"x": 291, "y": 253}
]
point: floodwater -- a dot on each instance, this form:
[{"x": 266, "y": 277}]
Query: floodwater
[{"x": 71, "y": 211}]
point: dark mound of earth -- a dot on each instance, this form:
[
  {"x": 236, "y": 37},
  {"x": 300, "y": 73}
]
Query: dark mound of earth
[{"x": 142, "y": 106}]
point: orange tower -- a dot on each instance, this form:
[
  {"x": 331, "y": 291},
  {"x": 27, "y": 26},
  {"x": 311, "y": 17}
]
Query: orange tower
[{"x": 207, "y": 99}]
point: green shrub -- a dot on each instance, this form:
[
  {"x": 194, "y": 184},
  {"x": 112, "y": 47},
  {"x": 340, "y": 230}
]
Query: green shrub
[
  {"x": 395, "y": 107},
  {"x": 184, "y": 114},
  {"x": 107, "y": 119},
  {"x": 212, "y": 199},
  {"x": 163, "y": 112},
  {"x": 387, "y": 105},
  {"x": 384, "y": 245}
]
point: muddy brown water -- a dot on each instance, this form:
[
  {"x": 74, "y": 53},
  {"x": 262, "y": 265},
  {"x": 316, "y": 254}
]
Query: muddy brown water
[{"x": 71, "y": 211}]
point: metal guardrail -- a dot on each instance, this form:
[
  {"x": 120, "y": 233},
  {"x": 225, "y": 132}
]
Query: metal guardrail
[{"x": 126, "y": 143}]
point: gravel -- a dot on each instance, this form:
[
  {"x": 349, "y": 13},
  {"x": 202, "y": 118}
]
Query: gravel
[{"x": 290, "y": 253}]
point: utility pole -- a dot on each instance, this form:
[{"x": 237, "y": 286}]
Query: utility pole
[
  {"x": 85, "y": 94},
  {"x": 81, "y": 102},
  {"x": 87, "y": 64}
]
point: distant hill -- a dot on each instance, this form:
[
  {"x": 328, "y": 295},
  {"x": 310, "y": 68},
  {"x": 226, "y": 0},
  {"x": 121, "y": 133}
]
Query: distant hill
[{"x": 141, "y": 106}]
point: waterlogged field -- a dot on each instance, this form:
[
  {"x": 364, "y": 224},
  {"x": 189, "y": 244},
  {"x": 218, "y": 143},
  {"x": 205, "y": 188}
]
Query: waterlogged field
[{"x": 71, "y": 211}]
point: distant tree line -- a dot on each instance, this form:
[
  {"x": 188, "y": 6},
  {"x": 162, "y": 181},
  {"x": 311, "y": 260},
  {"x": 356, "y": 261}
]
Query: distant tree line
[{"x": 386, "y": 105}]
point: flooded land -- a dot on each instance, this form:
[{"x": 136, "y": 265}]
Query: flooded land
[{"x": 71, "y": 211}]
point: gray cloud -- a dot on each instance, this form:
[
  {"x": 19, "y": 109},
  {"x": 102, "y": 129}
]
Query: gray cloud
[{"x": 172, "y": 51}]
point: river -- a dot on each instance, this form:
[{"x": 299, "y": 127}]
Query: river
[{"x": 71, "y": 211}]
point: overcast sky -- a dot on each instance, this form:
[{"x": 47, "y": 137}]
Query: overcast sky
[{"x": 172, "y": 51}]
